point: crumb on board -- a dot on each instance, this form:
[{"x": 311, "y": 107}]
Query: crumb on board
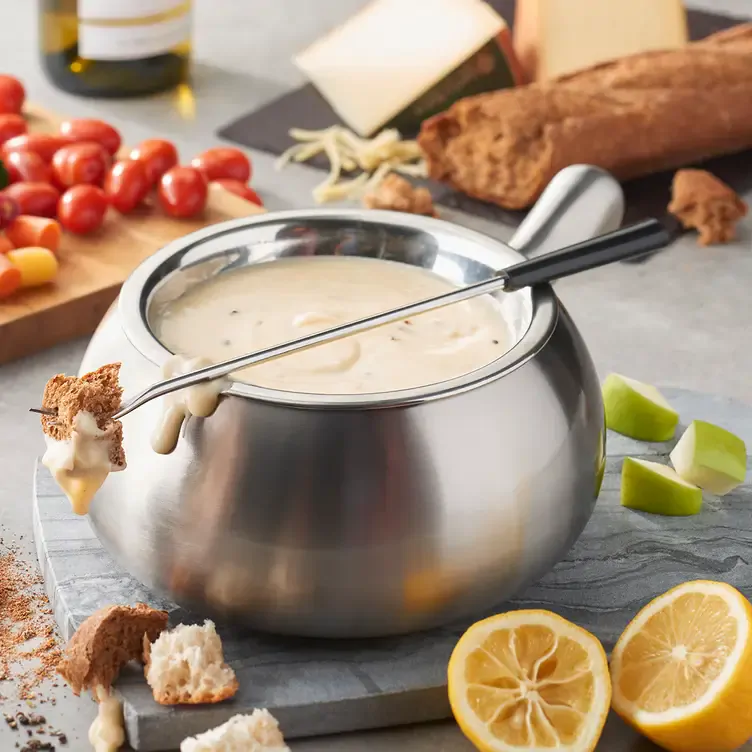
[
  {"x": 701, "y": 201},
  {"x": 394, "y": 193}
]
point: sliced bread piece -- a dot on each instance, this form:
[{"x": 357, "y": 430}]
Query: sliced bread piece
[{"x": 109, "y": 639}]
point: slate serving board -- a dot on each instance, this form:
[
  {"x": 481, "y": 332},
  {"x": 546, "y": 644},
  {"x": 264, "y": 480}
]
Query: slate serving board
[
  {"x": 317, "y": 687},
  {"x": 267, "y": 129}
]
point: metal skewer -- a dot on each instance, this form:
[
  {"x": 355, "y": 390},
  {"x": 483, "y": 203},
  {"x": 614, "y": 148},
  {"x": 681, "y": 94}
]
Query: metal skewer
[{"x": 626, "y": 243}]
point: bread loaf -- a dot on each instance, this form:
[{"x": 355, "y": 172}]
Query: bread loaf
[{"x": 634, "y": 116}]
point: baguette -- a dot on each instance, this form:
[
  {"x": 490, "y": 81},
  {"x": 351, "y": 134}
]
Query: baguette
[{"x": 634, "y": 116}]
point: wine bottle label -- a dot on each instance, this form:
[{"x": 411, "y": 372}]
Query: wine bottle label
[{"x": 131, "y": 29}]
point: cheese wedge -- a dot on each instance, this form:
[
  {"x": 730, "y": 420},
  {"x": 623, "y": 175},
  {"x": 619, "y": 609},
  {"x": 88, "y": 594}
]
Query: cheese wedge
[
  {"x": 397, "y": 62},
  {"x": 557, "y": 37}
]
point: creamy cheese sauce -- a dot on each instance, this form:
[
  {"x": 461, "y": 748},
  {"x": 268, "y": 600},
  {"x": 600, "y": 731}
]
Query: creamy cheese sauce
[
  {"x": 199, "y": 400},
  {"x": 80, "y": 464},
  {"x": 106, "y": 733},
  {"x": 274, "y": 302}
]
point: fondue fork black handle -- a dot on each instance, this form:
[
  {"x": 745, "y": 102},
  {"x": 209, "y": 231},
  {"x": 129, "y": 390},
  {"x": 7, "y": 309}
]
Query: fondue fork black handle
[
  {"x": 621, "y": 245},
  {"x": 615, "y": 246}
]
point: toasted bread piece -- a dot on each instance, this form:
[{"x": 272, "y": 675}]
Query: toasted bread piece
[
  {"x": 98, "y": 393},
  {"x": 186, "y": 666},
  {"x": 394, "y": 193},
  {"x": 257, "y": 732},
  {"x": 109, "y": 639},
  {"x": 701, "y": 201}
]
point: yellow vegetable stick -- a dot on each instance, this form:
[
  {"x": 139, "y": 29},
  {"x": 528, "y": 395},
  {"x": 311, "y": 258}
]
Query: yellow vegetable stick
[{"x": 37, "y": 265}]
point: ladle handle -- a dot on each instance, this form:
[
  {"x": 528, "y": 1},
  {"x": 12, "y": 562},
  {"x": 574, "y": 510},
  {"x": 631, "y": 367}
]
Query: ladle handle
[{"x": 629, "y": 242}]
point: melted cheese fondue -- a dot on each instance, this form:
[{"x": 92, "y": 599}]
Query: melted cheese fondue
[
  {"x": 270, "y": 303},
  {"x": 81, "y": 464}
]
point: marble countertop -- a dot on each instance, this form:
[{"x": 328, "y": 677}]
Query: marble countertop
[{"x": 681, "y": 320}]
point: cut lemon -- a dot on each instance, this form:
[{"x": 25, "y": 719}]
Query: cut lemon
[
  {"x": 529, "y": 680},
  {"x": 682, "y": 670}
]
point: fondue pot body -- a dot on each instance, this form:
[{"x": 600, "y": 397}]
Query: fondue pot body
[{"x": 357, "y": 516}]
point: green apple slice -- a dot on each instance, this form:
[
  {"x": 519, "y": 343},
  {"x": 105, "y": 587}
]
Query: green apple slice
[
  {"x": 637, "y": 410},
  {"x": 710, "y": 457},
  {"x": 657, "y": 489}
]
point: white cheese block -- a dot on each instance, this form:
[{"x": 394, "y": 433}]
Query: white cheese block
[
  {"x": 393, "y": 51},
  {"x": 556, "y": 37}
]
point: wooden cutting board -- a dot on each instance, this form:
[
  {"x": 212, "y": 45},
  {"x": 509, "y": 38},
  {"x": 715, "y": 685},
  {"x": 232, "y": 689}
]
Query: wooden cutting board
[{"x": 93, "y": 267}]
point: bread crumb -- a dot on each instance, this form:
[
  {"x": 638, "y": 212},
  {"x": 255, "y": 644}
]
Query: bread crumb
[
  {"x": 186, "y": 666},
  {"x": 394, "y": 193},
  {"x": 703, "y": 202},
  {"x": 109, "y": 639},
  {"x": 242, "y": 733}
]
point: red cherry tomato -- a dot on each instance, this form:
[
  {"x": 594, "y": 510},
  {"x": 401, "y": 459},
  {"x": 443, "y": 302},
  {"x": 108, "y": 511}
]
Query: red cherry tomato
[
  {"x": 36, "y": 199},
  {"x": 75, "y": 164},
  {"x": 44, "y": 144},
  {"x": 82, "y": 208},
  {"x": 240, "y": 189},
  {"x": 127, "y": 185},
  {"x": 9, "y": 210},
  {"x": 27, "y": 166},
  {"x": 11, "y": 125},
  {"x": 182, "y": 192},
  {"x": 86, "y": 129},
  {"x": 157, "y": 155},
  {"x": 12, "y": 94},
  {"x": 223, "y": 162}
]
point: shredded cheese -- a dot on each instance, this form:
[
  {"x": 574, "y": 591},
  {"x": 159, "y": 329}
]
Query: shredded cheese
[{"x": 347, "y": 152}]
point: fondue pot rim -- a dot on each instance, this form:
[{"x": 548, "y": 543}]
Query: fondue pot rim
[{"x": 137, "y": 291}]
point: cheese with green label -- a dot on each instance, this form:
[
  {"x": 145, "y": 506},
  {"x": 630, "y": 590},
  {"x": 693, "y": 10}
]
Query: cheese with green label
[
  {"x": 557, "y": 37},
  {"x": 397, "y": 62}
]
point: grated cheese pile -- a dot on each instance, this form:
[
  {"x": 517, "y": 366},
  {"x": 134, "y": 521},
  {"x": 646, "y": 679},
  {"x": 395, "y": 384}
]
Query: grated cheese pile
[{"x": 347, "y": 152}]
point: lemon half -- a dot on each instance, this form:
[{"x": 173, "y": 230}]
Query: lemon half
[
  {"x": 682, "y": 669},
  {"x": 529, "y": 680}
]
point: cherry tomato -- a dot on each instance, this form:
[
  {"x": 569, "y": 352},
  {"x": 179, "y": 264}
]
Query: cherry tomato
[
  {"x": 11, "y": 125},
  {"x": 12, "y": 94},
  {"x": 86, "y": 162},
  {"x": 239, "y": 189},
  {"x": 182, "y": 192},
  {"x": 127, "y": 185},
  {"x": 157, "y": 155},
  {"x": 223, "y": 162},
  {"x": 27, "y": 166},
  {"x": 85, "y": 129},
  {"x": 82, "y": 209},
  {"x": 9, "y": 210},
  {"x": 44, "y": 144},
  {"x": 36, "y": 199}
]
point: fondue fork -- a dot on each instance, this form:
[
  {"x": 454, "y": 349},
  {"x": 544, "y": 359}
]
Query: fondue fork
[{"x": 626, "y": 243}]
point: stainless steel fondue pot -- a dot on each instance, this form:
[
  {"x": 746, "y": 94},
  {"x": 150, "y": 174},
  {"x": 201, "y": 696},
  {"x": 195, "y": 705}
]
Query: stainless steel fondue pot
[{"x": 358, "y": 515}]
